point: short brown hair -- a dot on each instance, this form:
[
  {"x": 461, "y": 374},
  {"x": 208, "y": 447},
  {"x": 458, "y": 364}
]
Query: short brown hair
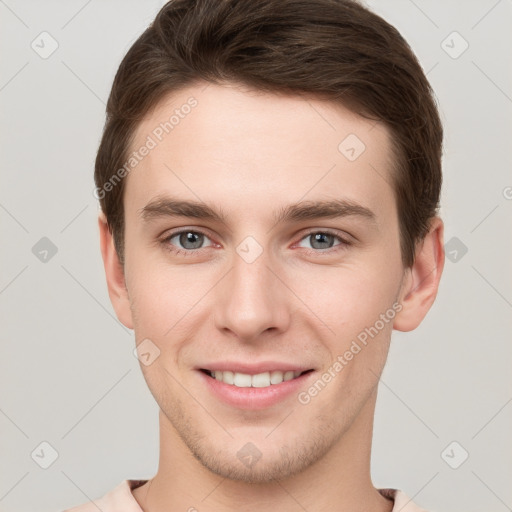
[{"x": 335, "y": 49}]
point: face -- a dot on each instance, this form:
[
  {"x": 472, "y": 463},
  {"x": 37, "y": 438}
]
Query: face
[{"x": 263, "y": 273}]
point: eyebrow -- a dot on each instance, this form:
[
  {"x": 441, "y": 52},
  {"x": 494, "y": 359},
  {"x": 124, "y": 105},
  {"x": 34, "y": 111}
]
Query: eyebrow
[{"x": 304, "y": 210}]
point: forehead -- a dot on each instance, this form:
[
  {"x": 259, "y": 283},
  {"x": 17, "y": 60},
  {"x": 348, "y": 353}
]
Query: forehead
[{"x": 221, "y": 143}]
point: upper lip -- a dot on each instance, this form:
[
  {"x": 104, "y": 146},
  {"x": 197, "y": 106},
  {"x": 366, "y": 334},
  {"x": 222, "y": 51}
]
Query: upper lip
[{"x": 254, "y": 368}]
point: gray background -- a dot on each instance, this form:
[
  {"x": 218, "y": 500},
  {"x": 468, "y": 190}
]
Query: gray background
[{"x": 68, "y": 374}]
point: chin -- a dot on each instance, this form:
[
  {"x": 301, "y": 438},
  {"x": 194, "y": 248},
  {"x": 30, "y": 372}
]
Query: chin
[{"x": 251, "y": 465}]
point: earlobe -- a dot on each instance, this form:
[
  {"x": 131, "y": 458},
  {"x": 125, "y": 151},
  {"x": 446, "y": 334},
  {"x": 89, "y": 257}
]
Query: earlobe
[
  {"x": 421, "y": 281},
  {"x": 114, "y": 274}
]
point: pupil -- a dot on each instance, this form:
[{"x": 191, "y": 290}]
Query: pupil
[
  {"x": 319, "y": 239},
  {"x": 191, "y": 238}
]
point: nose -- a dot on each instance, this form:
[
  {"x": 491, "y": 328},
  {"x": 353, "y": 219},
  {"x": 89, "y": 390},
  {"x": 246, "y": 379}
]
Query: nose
[{"x": 251, "y": 300}]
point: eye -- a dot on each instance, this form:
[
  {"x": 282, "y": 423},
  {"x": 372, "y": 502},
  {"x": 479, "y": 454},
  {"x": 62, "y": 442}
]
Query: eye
[
  {"x": 321, "y": 240},
  {"x": 187, "y": 240}
]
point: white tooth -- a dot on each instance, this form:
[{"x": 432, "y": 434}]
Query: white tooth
[
  {"x": 242, "y": 380},
  {"x": 228, "y": 377},
  {"x": 276, "y": 377},
  {"x": 261, "y": 380}
]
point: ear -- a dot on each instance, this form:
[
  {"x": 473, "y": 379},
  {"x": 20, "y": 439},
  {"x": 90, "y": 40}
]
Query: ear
[
  {"x": 421, "y": 280},
  {"x": 114, "y": 273}
]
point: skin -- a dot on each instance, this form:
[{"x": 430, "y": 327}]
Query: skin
[{"x": 249, "y": 154}]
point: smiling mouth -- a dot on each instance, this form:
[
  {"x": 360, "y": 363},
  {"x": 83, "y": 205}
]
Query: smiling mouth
[{"x": 260, "y": 380}]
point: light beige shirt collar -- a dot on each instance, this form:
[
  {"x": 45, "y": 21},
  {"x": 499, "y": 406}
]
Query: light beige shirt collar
[{"x": 121, "y": 499}]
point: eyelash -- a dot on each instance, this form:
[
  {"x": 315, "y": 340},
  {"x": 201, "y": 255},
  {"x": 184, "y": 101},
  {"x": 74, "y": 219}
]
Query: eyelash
[{"x": 190, "y": 252}]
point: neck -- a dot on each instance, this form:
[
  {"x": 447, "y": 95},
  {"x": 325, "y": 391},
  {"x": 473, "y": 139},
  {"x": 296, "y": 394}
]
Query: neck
[{"x": 340, "y": 480}]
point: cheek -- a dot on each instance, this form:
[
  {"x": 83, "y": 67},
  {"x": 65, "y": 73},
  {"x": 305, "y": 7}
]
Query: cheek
[
  {"x": 347, "y": 298},
  {"x": 165, "y": 300},
  {"x": 358, "y": 308}
]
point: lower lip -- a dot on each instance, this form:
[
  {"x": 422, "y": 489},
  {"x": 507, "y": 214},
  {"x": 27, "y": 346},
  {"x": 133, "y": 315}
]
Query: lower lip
[{"x": 254, "y": 398}]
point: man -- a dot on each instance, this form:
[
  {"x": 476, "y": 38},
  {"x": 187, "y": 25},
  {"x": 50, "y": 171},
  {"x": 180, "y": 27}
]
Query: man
[{"x": 269, "y": 178}]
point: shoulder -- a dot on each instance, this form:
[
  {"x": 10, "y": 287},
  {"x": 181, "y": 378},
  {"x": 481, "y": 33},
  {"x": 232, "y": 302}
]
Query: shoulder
[
  {"x": 119, "y": 499},
  {"x": 401, "y": 501}
]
